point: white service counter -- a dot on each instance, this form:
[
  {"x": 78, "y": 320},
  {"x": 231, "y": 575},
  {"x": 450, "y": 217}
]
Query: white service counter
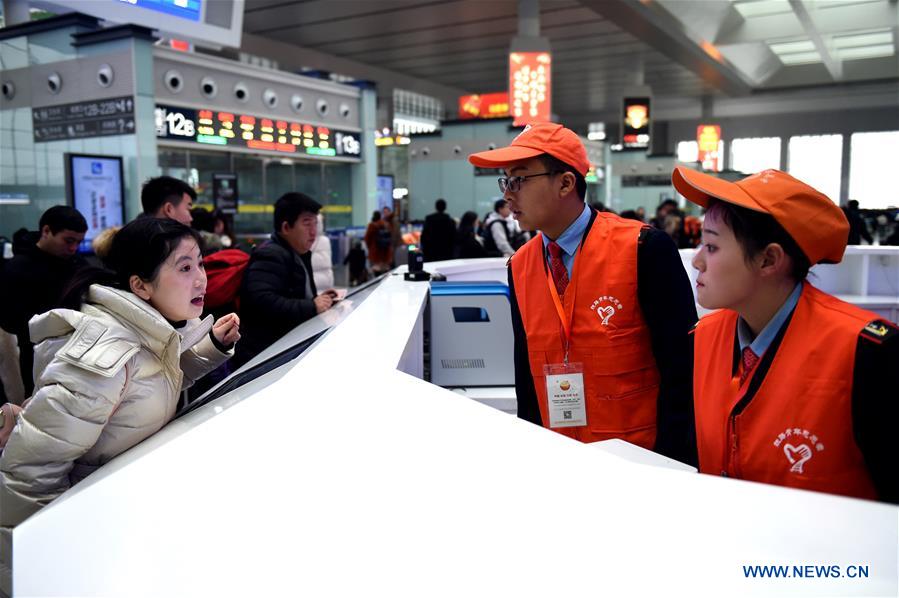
[{"x": 342, "y": 473}]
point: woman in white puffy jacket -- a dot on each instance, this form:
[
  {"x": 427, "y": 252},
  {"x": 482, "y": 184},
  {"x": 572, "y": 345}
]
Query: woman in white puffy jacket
[
  {"x": 322, "y": 271},
  {"x": 109, "y": 370}
]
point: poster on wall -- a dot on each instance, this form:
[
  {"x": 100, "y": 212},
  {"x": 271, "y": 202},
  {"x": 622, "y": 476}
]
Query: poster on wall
[
  {"x": 95, "y": 187},
  {"x": 385, "y": 191},
  {"x": 224, "y": 192}
]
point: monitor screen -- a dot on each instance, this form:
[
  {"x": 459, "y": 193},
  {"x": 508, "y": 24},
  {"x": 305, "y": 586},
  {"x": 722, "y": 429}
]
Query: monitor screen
[
  {"x": 208, "y": 22},
  {"x": 95, "y": 187}
]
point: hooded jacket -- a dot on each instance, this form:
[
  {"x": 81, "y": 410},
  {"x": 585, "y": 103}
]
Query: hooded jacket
[{"x": 108, "y": 377}]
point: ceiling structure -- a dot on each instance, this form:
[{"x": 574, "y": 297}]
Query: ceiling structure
[{"x": 679, "y": 48}]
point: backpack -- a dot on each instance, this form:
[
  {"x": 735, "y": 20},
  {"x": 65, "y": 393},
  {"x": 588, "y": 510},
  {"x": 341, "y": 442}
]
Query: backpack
[
  {"x": 224, "y": 273},
  {"x": 384, "y": 238},
  {"x": 489, "y": 242}
]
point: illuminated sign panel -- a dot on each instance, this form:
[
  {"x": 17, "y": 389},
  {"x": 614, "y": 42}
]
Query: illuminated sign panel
[
  {"x": 708, "y": 141},
  {"x": 218, "y": 127},
  {"x": 529, "y": 86},
  {"x": 635, "y": 123},
  {"x": 184, "y": 9},
  {"x": 487, "y": 105}
]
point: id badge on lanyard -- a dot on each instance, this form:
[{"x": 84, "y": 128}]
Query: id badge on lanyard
[{"x": 565, "y": 397}]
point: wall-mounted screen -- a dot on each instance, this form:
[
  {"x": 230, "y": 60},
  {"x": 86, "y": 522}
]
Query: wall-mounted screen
[
  {"x": 215, "y": 22},
  {"x": 635, "y": 123},
  {"x": 95, "y": 187},
  {"x": 217, "y": 127}
]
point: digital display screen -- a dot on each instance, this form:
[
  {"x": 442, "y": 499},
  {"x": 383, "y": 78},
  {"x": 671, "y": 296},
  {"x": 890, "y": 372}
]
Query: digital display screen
[
  {"x": 485, "y": 105},
  {"x": 184, "y": 9},
  {"x": 230, "y": 129},
  {"x": 94, "y": 188},
  {"x": 635, "y": 123},
  {"x": 530, "y": 87}
]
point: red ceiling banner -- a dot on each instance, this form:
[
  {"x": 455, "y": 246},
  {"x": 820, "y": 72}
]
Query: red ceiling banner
[
  {"x": 529, "y": 86},
  {"x": 708, "y": 140},
  {"x": 486, "y": 105}
]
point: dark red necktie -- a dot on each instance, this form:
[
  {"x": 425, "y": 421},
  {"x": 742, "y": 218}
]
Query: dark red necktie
[
  {"x": 557, "y": 266},
  {"x": 750, "y": 359}
]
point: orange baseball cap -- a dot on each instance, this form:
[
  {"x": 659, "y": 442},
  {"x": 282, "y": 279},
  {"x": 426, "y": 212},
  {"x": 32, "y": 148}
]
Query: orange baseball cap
[
  {"x": 815, "y": 222},
  {"x": 536, "y": 139}
]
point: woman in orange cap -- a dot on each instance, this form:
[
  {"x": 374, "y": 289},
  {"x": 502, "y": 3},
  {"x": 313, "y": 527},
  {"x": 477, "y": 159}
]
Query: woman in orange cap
[{"x": 792, "y": 386}]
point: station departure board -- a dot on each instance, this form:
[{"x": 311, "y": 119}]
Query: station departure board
[{"x": 231, "y": 129}]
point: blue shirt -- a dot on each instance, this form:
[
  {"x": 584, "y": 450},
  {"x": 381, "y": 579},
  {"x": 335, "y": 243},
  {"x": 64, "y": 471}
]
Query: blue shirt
[
  {"x": 569, "y": 240},
  {"x": 761, "y": 343}
]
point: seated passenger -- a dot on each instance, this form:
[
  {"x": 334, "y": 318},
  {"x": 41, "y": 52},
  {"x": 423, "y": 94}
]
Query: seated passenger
[
  {"x": 112, "y": 365},
  {"x": 791, "y": 385},
  {"x": 278, "y": 290}
]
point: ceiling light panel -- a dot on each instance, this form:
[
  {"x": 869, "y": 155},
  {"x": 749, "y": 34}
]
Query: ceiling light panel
[
  {"x": 800, "y": 58},
  {"x": 794, "y": 47},
  {"x": 762, "y": 8},
  {"x": 868, "y": 38},
  {"x": 866, "y": 52}
]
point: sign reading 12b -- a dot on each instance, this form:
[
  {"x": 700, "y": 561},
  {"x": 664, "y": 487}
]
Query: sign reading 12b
[{"x": 176, "y": 123}]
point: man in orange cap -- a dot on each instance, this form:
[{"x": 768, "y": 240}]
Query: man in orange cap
[
  {"x": 791, "y": 385},
  {"x": 601, "y": 306}
]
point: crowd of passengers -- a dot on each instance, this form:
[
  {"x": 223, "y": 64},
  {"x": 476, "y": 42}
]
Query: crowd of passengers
[{"x": 96, "y": 353}]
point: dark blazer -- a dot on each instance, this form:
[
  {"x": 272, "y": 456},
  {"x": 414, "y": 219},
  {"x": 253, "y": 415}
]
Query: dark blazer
[
  {"x": 438, "y": 236},
  {"x": 273, "y": 297},
  {"x": 33, "y": 282}
]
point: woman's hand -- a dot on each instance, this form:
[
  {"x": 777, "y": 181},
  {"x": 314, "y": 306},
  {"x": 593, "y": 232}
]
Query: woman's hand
[
  {"x": 10, "y": 413},
  {"x": 227, "y": 330}
]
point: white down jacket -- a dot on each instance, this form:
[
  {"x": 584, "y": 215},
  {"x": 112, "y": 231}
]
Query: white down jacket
[{"x": 106, "y": 378}]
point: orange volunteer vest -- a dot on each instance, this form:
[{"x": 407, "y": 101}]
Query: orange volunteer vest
[
  {"x": 796, "y": 430},
  {"x": 608, "y": 332}
]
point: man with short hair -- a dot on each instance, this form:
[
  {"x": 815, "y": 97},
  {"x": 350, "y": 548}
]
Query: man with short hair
[
  {"x": 34, "y": 279},
  {"x": 168, "y": 197},
  {"x": 601, "y": 306},
  {"x": 278, "y": 290},
  {"x": 497, "y": 236},
  {"x": 438, "y": 236}
]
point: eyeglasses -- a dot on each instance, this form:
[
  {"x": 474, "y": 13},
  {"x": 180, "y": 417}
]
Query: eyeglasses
[{"x": 513, "y": 183}]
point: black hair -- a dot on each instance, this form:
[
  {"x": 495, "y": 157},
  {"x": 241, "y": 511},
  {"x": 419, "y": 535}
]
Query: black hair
[
  {"x": 202, "y": 220},
  {"x": 499, "y": 204},
  {"x": 466, "y": 224},
  {"x": 630, "y": 214},
  {"x": 290, "y": 206},
  {"x": 555, "y": 165},
  {"x": 139, "y": 248},
  {"x": 60, "y": 218},
  {"x": 755, "y": 230},
  {"x": 440, "y": 205},
  {"x": 161, "y": 190},
  {"x": 853, "y": 204},
  {"x": 376, "y": 215}
]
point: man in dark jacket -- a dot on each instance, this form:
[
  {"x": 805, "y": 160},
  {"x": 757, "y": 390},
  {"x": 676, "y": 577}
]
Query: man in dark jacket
[
  {"x": 438, "y": 234},
  {"x": 278, "y": 291},
  {"x": 858, "y": 230},
  {"x": 34, "y": 279}
]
